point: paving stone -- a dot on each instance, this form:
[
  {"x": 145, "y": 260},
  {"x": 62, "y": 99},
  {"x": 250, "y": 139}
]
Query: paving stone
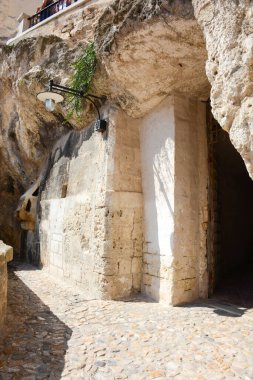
[{"x": 52, "y": 333}]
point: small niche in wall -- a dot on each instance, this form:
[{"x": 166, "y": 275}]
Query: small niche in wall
[
  {"x": 36, "y": 192},
  {"x": 64, "y": 190},
  {"x": 28, "y": 206}
]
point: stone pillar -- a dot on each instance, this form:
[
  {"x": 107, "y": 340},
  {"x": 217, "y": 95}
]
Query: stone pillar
[
  {"x": 6, "y": 255},
  {"x": 23, "y": 23},
  {"x": 174, "y": 172},
  {"x": 191, "y": 203},
  {"x": 123, "y": 236}
]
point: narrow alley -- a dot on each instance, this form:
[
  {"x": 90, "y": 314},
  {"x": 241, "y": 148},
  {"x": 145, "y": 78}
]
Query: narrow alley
[{"x": 52, "y": 332}]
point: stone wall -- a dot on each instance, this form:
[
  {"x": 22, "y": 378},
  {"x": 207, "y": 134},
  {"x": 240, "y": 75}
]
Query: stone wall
[
  {"x": 91, "y": 210},
  {"x": 90, "y": 215},
  {"x": 6, "y": 255},
  {"x": 157, "y": 132},
  {"x": 191, "y": 204},
  {"x": 124, "y": 219},
  {"x": 175, "y": 176},
  {"x": 69, "y": 204}
]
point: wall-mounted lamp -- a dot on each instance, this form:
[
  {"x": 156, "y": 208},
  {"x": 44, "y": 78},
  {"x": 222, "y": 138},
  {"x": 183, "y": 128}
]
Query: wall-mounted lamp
[{"x": 52, "y": 96}]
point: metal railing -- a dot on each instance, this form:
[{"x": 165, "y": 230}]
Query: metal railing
[{"x": 50, "y": 10}]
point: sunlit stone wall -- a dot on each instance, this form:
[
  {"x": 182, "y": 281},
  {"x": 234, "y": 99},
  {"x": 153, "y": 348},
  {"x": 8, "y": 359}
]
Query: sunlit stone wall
[{"x": 174, "y": 182}]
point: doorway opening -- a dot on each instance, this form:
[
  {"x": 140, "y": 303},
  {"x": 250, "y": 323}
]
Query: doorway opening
[{"x": 230, "y": 231}]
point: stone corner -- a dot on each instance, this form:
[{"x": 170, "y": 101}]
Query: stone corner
[{"x": 6, "y": 252}]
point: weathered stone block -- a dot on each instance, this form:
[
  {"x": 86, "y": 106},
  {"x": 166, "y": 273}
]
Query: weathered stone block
[
  {"x": 94, "y": 234},
  {"x": 137, "y": 265},
  {"x": 125, "y": 267},
  {"x": 6, "y": 255}
]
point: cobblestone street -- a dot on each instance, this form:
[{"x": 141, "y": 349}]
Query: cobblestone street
[{"x": 53, "y": 333}]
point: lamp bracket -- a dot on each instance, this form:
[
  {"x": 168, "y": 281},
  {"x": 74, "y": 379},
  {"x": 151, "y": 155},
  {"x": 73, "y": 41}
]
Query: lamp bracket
[{"x": 53, "y": 86}]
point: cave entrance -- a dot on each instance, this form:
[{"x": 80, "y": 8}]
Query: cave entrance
[{"x": 230, "y": 232}]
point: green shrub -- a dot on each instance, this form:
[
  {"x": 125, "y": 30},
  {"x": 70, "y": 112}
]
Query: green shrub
[{"x": 83, "y": 71}]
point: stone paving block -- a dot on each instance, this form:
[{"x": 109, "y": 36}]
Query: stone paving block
[{"x": 53, "y": 332}]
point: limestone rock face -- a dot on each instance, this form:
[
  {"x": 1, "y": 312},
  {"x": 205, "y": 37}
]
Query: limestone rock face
[
  {"x": 27, "y": 130},
  {"x": 228, "y": 28},
  {"x": 146, "y": 50},
  {"x": 149, "y": 50}
]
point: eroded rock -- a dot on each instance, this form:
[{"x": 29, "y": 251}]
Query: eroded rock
[
  {"x": 228, "y": 27},
  {"x": 156, "y": 47},
  {"x": 150, "y": 49},
  {"x": 28, "y": 131}
]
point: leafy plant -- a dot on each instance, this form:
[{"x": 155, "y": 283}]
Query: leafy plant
[{"x": 83, "y": 72}]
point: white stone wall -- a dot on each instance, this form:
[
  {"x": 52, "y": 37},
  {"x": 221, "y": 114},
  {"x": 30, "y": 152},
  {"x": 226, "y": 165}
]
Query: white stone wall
[
  {"x": 157, "y": 132},
  {"x": 70, "y": 204},
  {"x": 92, "y": 226},
  {"x": 174, "y": 172},
  {"x": 91, "y": 222}
]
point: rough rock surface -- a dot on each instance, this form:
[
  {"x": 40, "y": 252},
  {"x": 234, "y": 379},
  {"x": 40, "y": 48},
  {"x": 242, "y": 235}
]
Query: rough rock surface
[
  {"x": 27, "y": 130},
  {"x": 162, "y": 53},
  {"x": 228, "y": 28},
  {"x": 150, "y": 49}
]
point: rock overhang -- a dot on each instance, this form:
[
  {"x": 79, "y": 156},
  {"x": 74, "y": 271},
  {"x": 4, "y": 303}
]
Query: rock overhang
[{"x": 144, "y": 54}]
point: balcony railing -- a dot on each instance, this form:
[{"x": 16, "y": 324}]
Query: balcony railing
[{"x": 50, "y": 10}]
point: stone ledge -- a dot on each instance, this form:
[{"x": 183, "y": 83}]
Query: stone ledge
[{"x": 6, "y": 253}]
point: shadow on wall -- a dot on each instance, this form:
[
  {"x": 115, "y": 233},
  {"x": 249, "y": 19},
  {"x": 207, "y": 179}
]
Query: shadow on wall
[
  {"x": 29, "y": 210},
  {"x": 34, "y": 341}
]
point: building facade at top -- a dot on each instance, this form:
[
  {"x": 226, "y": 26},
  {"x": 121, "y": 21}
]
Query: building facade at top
[
  {"x": 160, "y": 203},
  {"x": 10, "y": 10}
]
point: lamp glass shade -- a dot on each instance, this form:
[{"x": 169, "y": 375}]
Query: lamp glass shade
[{"x": 50, "y": 105}]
